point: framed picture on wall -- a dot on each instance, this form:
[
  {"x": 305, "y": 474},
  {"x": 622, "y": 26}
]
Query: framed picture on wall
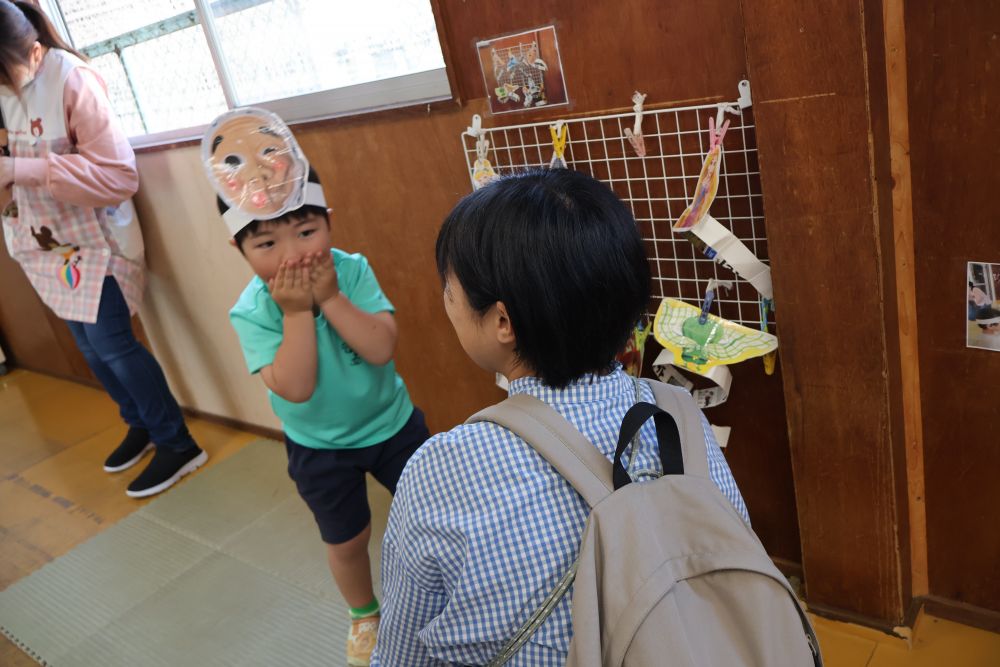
[
  {"x": 523, "y": 71},
  {"x": 983, "y": 306}
]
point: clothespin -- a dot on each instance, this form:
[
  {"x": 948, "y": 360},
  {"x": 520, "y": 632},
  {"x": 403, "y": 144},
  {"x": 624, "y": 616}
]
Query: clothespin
[
  {"x": 634, "y": 135},
  {"x": 706, "y": 304},
  {"x": 715, "y": 137},
  {"x": 771, "y": 358},
  {"x": 560, "y": 133},
  {"x": 482, "y": 147},
  {"x": 476, "y": 132}
]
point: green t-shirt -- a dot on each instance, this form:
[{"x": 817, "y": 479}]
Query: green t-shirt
[{"x": 355, "y": 404}]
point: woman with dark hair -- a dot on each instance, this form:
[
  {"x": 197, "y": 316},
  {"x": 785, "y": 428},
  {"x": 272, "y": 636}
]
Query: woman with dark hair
[
  {"x": 68, "y": 165},
  {"x": 544, "y": 276}
]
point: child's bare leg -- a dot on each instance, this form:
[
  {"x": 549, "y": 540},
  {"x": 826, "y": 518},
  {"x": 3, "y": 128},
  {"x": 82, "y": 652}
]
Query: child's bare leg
[{"x": 351, "y": 568}]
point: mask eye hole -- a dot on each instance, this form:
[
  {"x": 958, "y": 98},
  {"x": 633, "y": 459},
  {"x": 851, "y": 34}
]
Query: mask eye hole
[{"x": 233, "y": 161}]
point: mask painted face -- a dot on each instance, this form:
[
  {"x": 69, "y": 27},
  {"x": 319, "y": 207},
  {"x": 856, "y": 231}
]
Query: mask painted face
[{"x": 254, "y": 163}]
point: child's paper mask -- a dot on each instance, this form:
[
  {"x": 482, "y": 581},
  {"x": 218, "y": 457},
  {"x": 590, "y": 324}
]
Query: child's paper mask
[{"x": 255, "y": 166}]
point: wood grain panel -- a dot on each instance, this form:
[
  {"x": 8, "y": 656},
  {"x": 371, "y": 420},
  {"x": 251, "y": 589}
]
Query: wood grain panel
[
  {"x": 817, "y": 145},
  {"x": 953, "y": 68},
  {"x": 609, "y": 49},
  {"x": 33, "y": 337}
]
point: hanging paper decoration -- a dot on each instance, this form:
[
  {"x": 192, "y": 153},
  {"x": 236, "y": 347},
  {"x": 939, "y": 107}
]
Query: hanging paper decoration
[
  {"x": 560, "y": 133},
  {"x": 771, "y": 358},
  {"x": 699, "y": 346},
  {"x": 708, "y": 180},
  {"x": 631, "y": 356},
  {"x": 701, "y": 341},
  {"x": 695, "y": 340},
  {"x": 634, "y": 135},
  {"x": 482, "y": 170},
  {"x": 705, "y": 232}
]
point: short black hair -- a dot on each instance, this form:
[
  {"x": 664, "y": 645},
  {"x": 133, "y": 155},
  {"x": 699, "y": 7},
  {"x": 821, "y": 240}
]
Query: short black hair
[
  {"x": 292, "y": 216},
  {"x": 563, "y": 253},
  {"x": 986, "y": 313}
]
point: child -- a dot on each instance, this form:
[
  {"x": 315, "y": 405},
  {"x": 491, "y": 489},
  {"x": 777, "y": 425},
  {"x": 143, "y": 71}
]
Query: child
[
  {"x": 977, "y": 300},
  {"x": 988, "y": 321},
  {"x": 318, "y": 329},
  {"x": 545, "y": 276}
]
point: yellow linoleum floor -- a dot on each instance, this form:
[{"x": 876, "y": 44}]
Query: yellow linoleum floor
[{"x": 54, "y": 436}]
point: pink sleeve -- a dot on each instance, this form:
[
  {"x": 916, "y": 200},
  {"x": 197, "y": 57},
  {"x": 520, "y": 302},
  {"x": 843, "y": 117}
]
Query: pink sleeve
[{"x": 102, "y": 172}]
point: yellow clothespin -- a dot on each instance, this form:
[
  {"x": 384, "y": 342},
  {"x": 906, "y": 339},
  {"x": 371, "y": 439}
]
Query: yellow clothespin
[{"x": 560, "y": 134}]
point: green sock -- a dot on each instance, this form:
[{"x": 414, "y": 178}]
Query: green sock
[{"x": 368, "y": 610}]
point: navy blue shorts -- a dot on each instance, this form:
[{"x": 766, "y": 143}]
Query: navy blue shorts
[{"x": 332, "y": 481}]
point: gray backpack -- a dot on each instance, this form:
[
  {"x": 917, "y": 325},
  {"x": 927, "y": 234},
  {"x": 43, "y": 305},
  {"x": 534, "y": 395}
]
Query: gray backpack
[{"x": 668, "y": 572}]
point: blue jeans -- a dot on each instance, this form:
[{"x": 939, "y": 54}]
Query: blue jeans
[{"x": 129, "y": 372}]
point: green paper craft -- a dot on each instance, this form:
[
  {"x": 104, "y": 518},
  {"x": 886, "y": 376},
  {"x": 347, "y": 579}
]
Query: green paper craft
[{"x": 701, "y": 346}]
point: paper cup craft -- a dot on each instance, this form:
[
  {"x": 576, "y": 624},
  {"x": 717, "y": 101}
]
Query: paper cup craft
[{"x": 698, "y": 345}]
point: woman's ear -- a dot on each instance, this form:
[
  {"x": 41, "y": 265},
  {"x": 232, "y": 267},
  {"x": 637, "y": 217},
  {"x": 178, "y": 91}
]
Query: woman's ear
[{"x": 505, "y": 328}]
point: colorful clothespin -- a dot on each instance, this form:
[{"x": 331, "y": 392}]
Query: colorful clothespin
[
  {"x": 560, "y": 133},
  {"x": 634, "y": 135},
  {"x": 771, "y": 358}
]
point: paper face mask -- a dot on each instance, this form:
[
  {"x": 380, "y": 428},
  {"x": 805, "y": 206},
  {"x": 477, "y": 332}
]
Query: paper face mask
[{"x": 255, "y": 165}]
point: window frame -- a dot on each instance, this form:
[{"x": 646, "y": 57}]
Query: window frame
[{"x": 396, "y": 92}]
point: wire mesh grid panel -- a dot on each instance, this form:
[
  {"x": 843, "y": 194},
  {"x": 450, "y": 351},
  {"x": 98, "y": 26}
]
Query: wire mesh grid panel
[{"x": 658, "y": 187}]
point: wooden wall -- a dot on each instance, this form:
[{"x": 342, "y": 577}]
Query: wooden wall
[
  {"x": 953, "y": 63},
  {"x": 819, "y": 98},
  {"x": 31, "y": 335}
]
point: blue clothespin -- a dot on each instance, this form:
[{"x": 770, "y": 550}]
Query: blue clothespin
[{"x": 706, "y": 304}]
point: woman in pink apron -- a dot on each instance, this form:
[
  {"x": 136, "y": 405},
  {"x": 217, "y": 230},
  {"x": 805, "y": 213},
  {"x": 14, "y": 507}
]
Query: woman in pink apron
[{"x": 69, "y": 168}]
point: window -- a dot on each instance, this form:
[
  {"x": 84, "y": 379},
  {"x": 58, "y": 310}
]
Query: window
[{"x": 173, "y": 65}]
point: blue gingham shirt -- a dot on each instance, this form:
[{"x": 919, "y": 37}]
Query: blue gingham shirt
[{"x": 482, "y": 528}]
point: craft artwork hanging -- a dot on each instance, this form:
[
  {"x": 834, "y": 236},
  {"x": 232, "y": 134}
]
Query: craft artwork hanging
[
  {"x": 695, "y": 340},
  {"x": 483, "y": 171},
  {"x": 642, "y": 153},
  {"x": 631, "y": 357},
  {"x": 711, "y": 238}
]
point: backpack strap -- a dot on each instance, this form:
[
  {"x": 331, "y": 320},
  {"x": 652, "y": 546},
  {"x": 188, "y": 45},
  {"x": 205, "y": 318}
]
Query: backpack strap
[
  {"x": 558, "y": 442},
  {"x": 686, "y": 414}
]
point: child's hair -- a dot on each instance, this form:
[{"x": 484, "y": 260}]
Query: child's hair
[
  {"x": 21, "y": 25},
  {"x": 292, "y": 216},
  {"x": 563, "y": 254},
  {"x": 986, "y": 313}
]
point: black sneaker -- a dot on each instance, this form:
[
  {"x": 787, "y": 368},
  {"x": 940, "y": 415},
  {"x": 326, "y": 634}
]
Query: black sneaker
[
  {"x": 133, "y": 448},
  {"x": 165, "y": 470}
]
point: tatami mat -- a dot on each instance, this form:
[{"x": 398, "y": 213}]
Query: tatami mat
[{"x": 226, "y": 569}]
